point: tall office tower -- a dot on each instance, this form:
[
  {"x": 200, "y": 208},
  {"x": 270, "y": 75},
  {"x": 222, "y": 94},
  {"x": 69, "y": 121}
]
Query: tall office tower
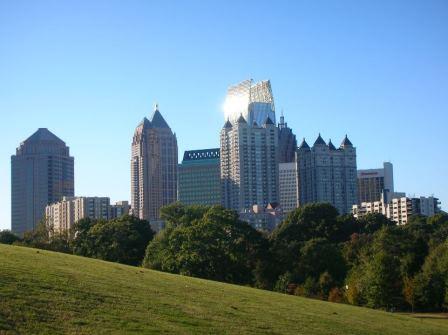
[
  {"x": 62, "y": 215},
  {"x": 199, "y": 178},
  {"x": 289, "y": 195},
  {"x": 287, "y": 143},
  {"x": 42, "y": 172},
  {"x": 249, "y": 164},
  {"x": 254, "y": 101},
  {"x": 153, "y": 167},
  {"x": 373, "y": 183},
  {"x": 327, "y": 174}
]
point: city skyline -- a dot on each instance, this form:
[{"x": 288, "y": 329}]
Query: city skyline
[{"x": 389, "y": 98}]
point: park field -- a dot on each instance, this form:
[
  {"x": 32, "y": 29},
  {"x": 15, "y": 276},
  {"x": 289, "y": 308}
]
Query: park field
[{"x": 43, "y": 292}]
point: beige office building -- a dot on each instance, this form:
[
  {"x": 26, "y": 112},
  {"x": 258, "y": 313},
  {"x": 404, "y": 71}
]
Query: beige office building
[
  {"x": 62, "y": 215},
  {"x": 153, "y": 167}
]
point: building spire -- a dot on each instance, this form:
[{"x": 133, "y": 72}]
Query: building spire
[{"x": 156, "y": 107}]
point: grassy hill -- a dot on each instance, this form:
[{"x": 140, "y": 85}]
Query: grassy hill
[{"x": 43, "y": 292}]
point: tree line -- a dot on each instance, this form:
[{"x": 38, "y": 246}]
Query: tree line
[{"x": 314, "y": 252}]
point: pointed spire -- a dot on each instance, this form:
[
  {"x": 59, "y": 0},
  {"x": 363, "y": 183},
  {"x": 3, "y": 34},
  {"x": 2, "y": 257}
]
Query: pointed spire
[
  {"x": 346, "y": 142},
  {"x": 157, "y": 120},
  {"x": 227, "y": 125},
  {"x": 282, "y": 124},
  {"x": 319, "y": 141},
  {"x": 331, "y": 146},
  {"x": 304, "y": 145},
  {"x": 268, "y": 121},
  {"x": 241, "y": 119},
  {"x": 145, "y": 123}
]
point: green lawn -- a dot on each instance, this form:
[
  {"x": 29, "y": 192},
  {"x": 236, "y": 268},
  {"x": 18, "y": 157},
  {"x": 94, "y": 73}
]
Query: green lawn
[{"x": 43, "y": 292}]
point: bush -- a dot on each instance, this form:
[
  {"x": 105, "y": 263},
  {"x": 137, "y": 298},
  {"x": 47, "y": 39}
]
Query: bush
[{"x": 7, "y": 237}]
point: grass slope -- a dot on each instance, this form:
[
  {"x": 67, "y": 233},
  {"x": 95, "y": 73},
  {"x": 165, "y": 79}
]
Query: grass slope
[{"x": 43, "y": 292}]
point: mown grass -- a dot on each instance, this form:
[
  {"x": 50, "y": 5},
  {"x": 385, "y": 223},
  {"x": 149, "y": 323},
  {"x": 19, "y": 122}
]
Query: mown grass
[{"x": 43, "y": 292}]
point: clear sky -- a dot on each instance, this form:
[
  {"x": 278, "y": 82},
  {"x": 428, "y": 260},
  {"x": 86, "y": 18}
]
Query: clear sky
[{"x": 91, "y": 70}]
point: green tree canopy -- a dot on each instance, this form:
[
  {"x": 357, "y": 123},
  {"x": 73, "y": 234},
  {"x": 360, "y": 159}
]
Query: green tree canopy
[
  {"x": 122, "y": 240},
  {"x": 7, "y": 237},
  {"x": 215, "y": 246}
]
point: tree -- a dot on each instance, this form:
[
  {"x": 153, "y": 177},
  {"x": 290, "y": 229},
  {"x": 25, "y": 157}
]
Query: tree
[
  {"x": 7, "y": 237},
  {"x": 319, "y": 256},
  {"x": 384, "y": 281},
  {"x": 431, "y": 283},
  {"x": 44, "y": 237},
  {"x": 216, "y": 246},
  {"x": 83, "y": 243},
  {"x": 177, "y": 214},
  {"x": 307, "y": 222},
  {"x": 373, "y": 222},
  {"x": 123, "y": 240}
]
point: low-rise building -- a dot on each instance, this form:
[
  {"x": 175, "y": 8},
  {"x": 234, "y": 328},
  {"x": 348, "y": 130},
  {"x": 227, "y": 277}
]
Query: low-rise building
[
  {"x": 119, "y": 209},
  {"x": 400, "y": 208},
  {"x": 62, "y": 215},
  {"x": 263, "y": 218}
]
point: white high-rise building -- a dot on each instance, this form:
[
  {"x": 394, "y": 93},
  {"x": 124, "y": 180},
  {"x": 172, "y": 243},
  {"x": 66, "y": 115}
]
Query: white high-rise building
[
  {"x": 400, "y": 208},
  {"x": 289, "y": 194},
  {"x": 249, "y": 164},
  {"x": 249, "y": 147},
  {"x": 62, "y": 215}
]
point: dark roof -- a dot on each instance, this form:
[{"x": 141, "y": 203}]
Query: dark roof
[
  {"x": 304, "y": 145},
  {"x": 227, "y": 124},
  {"x": 331, "y": 146},
  {"x": 192, "y": 155},
  {"x": 145, "y": 123},
  {"x": 320, "y": 141},
  {"x": 44, "y": 135},
  {"x": 346, "y": 142},
  {"x": 157, "y": 120},
  {"x": 241, "y": 119},
  {"x": 272, "y": 205},
  {"x": 268, "y": 121}
]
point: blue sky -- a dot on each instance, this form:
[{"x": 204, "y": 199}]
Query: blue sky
[{"x": 91, "y": 70}]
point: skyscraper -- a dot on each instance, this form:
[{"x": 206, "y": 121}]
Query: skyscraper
[
  {"x": 153, "y": 167},
  {"x": 373, "y": 183},
  {"x": 249, "y": 147},
  {"x": 249, "y": 164},
  {"x": 42, "y": 172},
  {"x": 288, "y": 190},
  {"x": 327, "y": 174},
  {"x": 254, "y": 101},
  {"x": 199, "y": 178},
  {"x": 287, "y": 143}
]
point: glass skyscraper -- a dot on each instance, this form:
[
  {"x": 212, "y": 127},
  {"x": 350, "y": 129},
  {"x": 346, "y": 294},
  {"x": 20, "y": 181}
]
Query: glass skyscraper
[
  {"x": 199, "y": 178},
  {"x": 254, "y": 101},
  {"x": 42, "y": 172}
]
